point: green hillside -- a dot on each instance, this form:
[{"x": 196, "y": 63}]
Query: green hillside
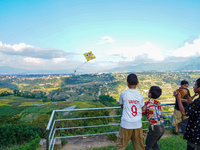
[
  {"x": 38, "y": 95},
  {"x": 35, "y": 97},
  {"x": 91, "y": 86}
]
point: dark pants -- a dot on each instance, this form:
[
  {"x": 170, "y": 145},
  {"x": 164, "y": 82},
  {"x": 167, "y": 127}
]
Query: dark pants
[
  {"x": 191, "y": 146},
  {"x": 153, "y": 136}
]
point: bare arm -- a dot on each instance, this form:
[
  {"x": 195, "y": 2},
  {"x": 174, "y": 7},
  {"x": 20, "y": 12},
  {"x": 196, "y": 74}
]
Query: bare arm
[
  {"x": 194, "y": 96},
  {"x": 184, "y": 100},
  {"x": 189, "y": 99},
  {"x": 121, "y": 106},
  {"x": 144, "y": 110},
  {"x": 178, "y": 96}
]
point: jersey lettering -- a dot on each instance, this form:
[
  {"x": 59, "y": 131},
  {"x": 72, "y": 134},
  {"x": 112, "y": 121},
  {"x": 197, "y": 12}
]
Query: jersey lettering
[{"x": 133, "y": 101}]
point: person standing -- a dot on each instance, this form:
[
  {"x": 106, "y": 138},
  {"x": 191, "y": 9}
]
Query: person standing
[
  {"x": 192, "y": 134},
  {"x": 131, "y": 102},
  {"x": 152, "y": 109},
  {"x": 177, "y": 116}
]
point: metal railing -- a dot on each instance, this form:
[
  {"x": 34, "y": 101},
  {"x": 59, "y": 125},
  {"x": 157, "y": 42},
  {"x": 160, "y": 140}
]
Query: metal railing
[{"x": 55, "y": 119}]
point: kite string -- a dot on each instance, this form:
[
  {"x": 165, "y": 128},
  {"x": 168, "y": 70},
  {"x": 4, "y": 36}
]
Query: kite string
[{"x": 80, "y": 66}]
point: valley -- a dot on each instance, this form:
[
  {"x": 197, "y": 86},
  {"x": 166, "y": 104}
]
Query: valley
[{"x": 30, "y": 99}]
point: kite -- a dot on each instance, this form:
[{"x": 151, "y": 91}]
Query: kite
[{"x": 88, "y": 56}]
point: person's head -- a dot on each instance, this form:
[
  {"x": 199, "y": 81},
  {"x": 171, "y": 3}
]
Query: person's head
[
  {"x": 196, "y": 86},
  {"x": 155, "y": 92},
  {"x": 132, "y": 80},
  {"x": 184, "y": 84}
]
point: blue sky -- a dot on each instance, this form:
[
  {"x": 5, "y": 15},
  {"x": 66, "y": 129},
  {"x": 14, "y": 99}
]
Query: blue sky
[{"x": 53, "y": 35}]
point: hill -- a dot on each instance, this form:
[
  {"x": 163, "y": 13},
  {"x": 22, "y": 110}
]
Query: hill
[
  {"x": 91, "y": 86},
  {"x": 193, "y": 64},
  {"x": 53, "y": 92}
]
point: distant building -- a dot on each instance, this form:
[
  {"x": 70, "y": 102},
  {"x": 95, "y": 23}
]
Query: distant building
[
  {"x": 145, "y": 91},
  {"x": 49, "y": 84}
]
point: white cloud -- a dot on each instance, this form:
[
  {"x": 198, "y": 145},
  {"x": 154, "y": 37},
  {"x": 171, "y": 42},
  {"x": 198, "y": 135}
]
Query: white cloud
[
  {"x": 58, "y": 60},
  {"x": 147, "y": 51},
  {"x": 20, "y": 46},
  {"x": 188, "y": 50},
  {"x": 29, "y": 57},
  {"x": 33, "y": 60},
  {"x": 15, "y": 47},
  {"x": 106, "y": 39},
  {"x": 23, "y": 49}
]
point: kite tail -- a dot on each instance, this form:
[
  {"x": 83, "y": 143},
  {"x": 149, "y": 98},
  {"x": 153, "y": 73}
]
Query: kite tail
[{"x": 79, "y": 67}]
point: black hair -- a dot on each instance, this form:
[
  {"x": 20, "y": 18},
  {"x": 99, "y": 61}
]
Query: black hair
[
  {"x": 132, "y": 79},
  {"x": 155, "y": 91},
  {"x": 184, "y": 82},
  {"x": 198, "y": 82}
]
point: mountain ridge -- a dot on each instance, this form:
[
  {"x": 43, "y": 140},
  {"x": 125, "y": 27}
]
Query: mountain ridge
[{"x": 192, "y": 64}]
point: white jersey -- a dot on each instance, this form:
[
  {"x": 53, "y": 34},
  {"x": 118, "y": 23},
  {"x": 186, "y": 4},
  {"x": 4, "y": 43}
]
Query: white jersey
[{"x": 132, "y": 102}]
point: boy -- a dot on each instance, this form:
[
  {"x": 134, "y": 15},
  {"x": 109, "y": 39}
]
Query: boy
[
  {"x": 152, "y": 109},
  {"x": 131, "y": 121},
  {"x": 192, "y": 110}
]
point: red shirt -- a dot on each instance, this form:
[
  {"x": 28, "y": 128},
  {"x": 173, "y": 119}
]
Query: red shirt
[{"x": 153, "y": 112}]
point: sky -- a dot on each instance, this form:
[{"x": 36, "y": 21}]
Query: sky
[{"x": 53, "y": 35}]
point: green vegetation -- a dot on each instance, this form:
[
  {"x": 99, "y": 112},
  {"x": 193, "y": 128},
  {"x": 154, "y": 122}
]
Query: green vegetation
[
  {"x": 32, "y": 145},
  {"x": 30, "y": 99},
  {"x": 18, "y": 134},
  {"x": 112, "y": 137},
  {"x": 90, "y": 86},
  {"x": 84, "y": 104}
]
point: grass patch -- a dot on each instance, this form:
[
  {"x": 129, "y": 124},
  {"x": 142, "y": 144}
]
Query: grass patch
[
  {"x": 15, "y": 104},
  {"x": 30, "y": 103},
  {"x": 12, "y": 100},
  {"x": 194, "y": 75},
  {"x": 173, "y": 142},
  {"x": 30, "y": 117},
  {"x": 9, "y": 110},
  {"x": 4, "y": 103},
  {"x": 84, "y": 104},
  {"x": 2, "y": 89}
]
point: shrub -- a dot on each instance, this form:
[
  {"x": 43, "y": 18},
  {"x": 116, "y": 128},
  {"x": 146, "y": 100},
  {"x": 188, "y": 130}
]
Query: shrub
[
  {"x": 18, "y": 134},
  {"x": 34, "y": 144},
  {"x": 9, "y": 119},
  {"x": 112, "y": 137}
]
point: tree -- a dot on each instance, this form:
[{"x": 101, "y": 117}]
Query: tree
[{"x": 107, "y": 100}]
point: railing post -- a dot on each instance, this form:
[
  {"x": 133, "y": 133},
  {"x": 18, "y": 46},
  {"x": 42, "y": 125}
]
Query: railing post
[
  {"x": 48, "y": 129},
  {"x": 47, "y": 141}
]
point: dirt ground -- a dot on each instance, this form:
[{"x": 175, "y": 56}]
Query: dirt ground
[{"x": 87, "y": 143}]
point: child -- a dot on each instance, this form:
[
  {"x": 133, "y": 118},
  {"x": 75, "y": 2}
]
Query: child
[
  {"x": 152, "y": 109},
  {"x": 192, "y": 110},
  {"x": 131, "y": 121}
]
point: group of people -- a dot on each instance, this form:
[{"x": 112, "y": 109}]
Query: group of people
[{"x": 134, "y": 107}]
